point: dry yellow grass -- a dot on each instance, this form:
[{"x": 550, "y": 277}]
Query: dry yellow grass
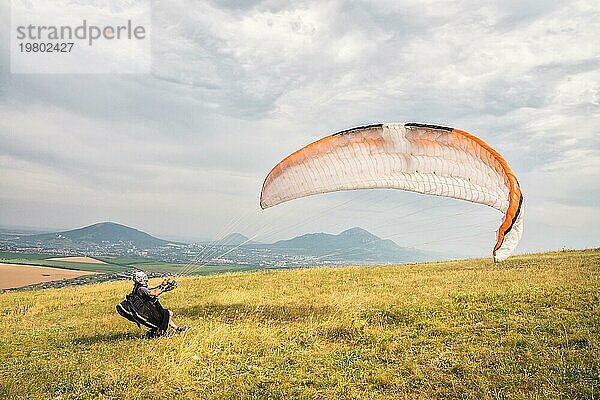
[{"x": 527, "y": 328}]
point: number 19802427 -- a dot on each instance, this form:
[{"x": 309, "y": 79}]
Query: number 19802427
[{"x": 45, "y": 47}]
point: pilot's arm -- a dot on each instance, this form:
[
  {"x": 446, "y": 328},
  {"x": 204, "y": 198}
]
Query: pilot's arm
[{"x": 158, "y": 290}]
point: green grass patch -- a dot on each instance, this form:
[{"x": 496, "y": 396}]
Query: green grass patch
[
  {"x": 193, "y": 269},
  {"x": 4, "y": 256}
]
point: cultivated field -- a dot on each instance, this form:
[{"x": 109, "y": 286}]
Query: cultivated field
[
  {"x": 527, "y": 328},
  {"x": 17, "y": 275},
  {"x": 88, "y": 260},
  {"x": 73, "y": 263},
  {"x": 117, "y": 264}
]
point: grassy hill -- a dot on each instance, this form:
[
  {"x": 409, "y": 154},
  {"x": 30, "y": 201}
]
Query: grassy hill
[{"x": 527, "y": 328}]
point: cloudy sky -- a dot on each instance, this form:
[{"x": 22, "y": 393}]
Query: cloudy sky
[{"x": 237, "y": 85}]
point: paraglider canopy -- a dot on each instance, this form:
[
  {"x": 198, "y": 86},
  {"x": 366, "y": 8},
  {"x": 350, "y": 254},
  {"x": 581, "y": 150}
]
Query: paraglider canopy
[{"x": 428, "y": 159}]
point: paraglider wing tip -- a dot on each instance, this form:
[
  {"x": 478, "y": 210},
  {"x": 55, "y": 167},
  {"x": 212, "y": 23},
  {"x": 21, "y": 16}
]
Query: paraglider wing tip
[
  {"x": 263, "y": 204},
  {"x": 500, "y": 258}
]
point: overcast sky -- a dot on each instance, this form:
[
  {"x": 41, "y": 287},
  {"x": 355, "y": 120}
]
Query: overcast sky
[{"x": 236, "y": 86}]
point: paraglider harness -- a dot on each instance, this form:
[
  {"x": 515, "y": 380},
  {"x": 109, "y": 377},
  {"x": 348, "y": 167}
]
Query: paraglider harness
[{"x": 146, "y": 312}]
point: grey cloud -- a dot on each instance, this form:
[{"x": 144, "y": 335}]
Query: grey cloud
[
  {"x": 237, "y": 5},
  {"x": 514, "y": 13}
]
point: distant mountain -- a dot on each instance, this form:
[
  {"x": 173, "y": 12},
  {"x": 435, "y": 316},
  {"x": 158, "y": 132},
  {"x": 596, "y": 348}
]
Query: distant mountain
[
  {"x": 355, "y": 244},
  {"x": 325, "y": 241},
  {"x": 101, "y": 233},
  {"x": 236, "y": 239}
]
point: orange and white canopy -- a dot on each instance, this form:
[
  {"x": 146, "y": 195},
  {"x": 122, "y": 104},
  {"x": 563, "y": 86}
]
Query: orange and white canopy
[{"x": 421, "y": 158}]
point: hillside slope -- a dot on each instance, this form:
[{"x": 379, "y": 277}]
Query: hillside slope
[{"x": 527, "y": 328}]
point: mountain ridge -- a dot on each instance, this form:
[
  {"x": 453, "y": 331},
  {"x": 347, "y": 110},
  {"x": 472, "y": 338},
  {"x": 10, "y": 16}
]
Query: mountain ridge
[
  {"x": 103, "y": 232},
  {"x": 353, "y": 245}
]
